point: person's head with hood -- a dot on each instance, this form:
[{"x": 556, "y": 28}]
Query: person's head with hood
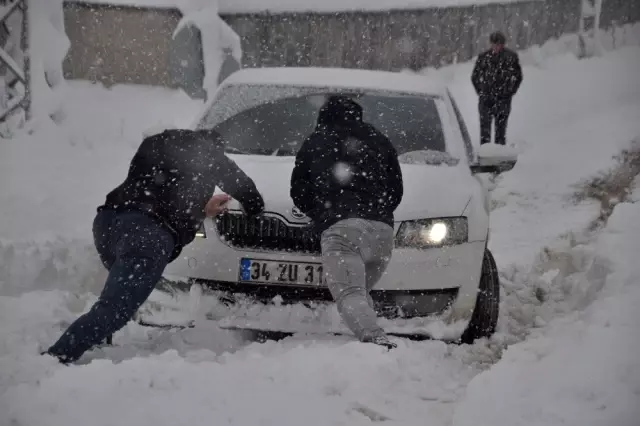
[
  {"x": 203, "y": 143},
  {"x": 339, "y": 110},
  {"x": 210, "y": 136}
]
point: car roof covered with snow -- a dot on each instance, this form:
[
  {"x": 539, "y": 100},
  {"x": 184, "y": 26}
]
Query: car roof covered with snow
[{"x": 347, "y": 78}]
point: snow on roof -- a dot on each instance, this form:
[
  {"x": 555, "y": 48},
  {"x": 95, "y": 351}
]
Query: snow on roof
[
  {"x": 338, "y": 77},
  {"x": 275, "y": 6}
]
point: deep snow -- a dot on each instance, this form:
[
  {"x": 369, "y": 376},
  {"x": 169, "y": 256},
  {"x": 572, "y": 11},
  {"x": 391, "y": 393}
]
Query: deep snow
[
  {"x": 572, "y": 359},
  {"x": 581, "y": 369}
]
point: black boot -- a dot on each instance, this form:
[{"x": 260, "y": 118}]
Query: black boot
[{"x": 61, "y": 359}]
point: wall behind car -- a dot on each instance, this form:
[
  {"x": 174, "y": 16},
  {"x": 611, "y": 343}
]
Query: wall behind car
[{"x": 133, "y": 44}]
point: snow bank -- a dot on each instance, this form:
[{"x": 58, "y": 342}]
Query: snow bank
[
  {"x": 274, "y": 6},
  {"x": 607, "y": 39},
  {"x": 582, "y": 369},
  {"x": 53, "y": 180},
  {"x": 282, "y": 384},
  {"x": 56, "y": 263}
]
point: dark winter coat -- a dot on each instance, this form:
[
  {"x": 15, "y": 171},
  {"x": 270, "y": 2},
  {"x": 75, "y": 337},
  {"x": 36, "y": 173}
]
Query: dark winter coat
[
  {"x": 497, "y": 75},
  {"x": 173, "y": 175},
  {"x": 346, "y": 169}
]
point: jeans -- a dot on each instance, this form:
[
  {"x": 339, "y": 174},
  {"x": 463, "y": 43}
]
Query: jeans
[
  {"x": 491, "y": 109},
  {"x": 355, "y": 254},
  {"x": 135, "y": 248}
]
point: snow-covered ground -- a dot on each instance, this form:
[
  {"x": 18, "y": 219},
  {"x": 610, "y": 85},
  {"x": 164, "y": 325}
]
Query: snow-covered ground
[{"x": 569, "y": 320}]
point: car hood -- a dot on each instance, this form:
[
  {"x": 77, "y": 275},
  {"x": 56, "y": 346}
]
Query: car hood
[{"x": 429, "y": 191}]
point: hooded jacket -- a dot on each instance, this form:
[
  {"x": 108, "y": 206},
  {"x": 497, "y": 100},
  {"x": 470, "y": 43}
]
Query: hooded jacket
[
  {"x": 346, "y": 169},
  {"x": 173, "y": 175}
]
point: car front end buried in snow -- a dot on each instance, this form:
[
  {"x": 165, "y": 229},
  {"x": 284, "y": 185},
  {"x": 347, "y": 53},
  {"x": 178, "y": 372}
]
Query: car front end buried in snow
[
  {"x": 440, "y": 263},
  {"x": 269, "y": 257}
]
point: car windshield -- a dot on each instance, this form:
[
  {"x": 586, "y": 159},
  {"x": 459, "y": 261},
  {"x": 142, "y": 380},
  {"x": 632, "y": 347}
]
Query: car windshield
[{"x": 275, "y": 120}]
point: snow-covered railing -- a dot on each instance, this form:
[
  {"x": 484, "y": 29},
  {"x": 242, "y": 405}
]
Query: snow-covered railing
[{"x": 15, "y": 90}]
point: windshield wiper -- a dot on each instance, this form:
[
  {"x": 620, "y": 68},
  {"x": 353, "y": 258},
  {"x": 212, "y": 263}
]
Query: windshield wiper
[
  {"x": 429, "y": 157},
  {"x": 234, "y": 150}
]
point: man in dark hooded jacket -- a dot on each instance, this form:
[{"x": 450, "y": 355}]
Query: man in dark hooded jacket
[
  {"x": 496, "y": 77},
  {"x": 147, "y": 220},
  {"x": 347, "y": 180}
]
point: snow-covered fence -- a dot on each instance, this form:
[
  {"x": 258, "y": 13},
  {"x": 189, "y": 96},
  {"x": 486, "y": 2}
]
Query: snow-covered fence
[
  {"x": 33, "y": 45},
  {"x": 398, "y": 39},
  {"x": 415, "y": 39},
  {"x": 14, "y": 65},
  {"x": 136, "y": 44}
]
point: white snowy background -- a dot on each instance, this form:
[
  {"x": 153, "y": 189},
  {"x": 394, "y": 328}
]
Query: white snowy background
[{"x": 566, "y": 352}]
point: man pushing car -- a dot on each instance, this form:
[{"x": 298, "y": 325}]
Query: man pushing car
[
  {"x": 146, "y": 221},
  {"x": 347, "y": 179}
]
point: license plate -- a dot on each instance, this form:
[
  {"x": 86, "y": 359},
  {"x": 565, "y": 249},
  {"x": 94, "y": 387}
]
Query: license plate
[{"x": 284, "y": 273}]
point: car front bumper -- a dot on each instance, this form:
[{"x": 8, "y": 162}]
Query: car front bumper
[{"x": 420, "y": 282}]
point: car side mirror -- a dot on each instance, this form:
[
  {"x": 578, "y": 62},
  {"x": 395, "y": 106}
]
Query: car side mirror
[{"x": 496, "y": 159}]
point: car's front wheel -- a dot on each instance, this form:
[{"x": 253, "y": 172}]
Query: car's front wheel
[{"x": 485, "y": 314}]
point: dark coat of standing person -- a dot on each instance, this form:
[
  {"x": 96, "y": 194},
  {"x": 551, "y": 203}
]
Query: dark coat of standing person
[
  {"x": 146, "y": 221},
  {"x": 348, "y": 181},
  {"x": 496, "y": 77}
]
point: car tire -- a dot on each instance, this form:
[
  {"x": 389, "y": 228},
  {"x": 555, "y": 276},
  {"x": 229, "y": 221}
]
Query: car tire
[{"x": 485, "y": 314}]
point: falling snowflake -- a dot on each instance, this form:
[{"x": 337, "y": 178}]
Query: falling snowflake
[{"x": 342, "y": 172}]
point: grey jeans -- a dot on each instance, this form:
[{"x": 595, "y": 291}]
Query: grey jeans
[{"x": 355, "y": 254}]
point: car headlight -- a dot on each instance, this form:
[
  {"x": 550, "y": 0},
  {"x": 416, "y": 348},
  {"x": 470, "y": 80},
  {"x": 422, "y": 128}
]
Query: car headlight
[
  {"x": 429, "y": 233},
  {"x": 200, "y": 232}
]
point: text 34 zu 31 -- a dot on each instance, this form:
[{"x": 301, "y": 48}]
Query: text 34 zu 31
[{"x": 287, "y": 273}]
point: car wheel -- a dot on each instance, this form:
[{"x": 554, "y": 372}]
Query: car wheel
[{"x": 485, "y": 314}]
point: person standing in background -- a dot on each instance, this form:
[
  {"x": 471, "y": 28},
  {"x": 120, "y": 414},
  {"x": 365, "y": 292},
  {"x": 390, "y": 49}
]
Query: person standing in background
[{"x": 496, "y": 77}]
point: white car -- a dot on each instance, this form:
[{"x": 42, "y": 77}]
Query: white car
[{"x": 440, "y": 262}]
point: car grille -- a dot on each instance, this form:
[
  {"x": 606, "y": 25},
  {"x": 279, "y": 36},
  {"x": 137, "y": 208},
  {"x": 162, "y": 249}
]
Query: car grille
[{"x": 266, "y": 233}]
